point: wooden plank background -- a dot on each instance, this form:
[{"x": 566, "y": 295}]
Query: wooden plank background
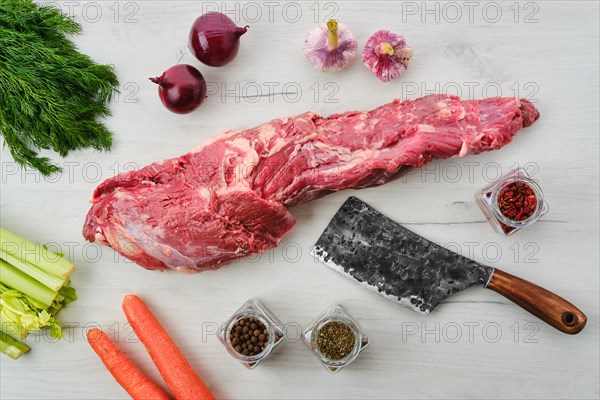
[{"x": 476, "y": 344}]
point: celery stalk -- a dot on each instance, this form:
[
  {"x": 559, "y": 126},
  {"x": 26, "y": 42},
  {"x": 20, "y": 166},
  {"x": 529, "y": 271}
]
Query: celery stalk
[
  {"x": 11, "y": 347},
  {"x": 12, "y": 328},
  {"x": 16, "y": 279},
  {"x": 35, "y": 254},
  {"x": 51, "y": 281}
]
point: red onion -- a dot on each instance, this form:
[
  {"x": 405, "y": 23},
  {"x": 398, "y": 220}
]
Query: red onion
[
  {"x": 215, "y": 39},
  {"x": 181, "y": 88}
]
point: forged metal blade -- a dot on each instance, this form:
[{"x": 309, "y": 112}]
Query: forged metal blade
[{"x": 384, "y": 256}]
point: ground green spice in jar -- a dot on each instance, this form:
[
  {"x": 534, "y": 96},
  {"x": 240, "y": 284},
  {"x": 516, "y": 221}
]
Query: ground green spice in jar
[{"x": 335, "y": 340}]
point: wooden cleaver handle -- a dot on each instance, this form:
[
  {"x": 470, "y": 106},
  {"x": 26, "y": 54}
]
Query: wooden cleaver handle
[{"x": 545, "y": 305}]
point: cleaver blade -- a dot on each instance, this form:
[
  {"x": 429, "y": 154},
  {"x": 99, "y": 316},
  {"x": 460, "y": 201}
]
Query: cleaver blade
[{"x": 395, "y": 262}]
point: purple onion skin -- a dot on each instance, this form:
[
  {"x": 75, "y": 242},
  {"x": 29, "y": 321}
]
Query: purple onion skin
[
  {"x": 181, "y": 88},
  {"x": 215, "y": 39}
]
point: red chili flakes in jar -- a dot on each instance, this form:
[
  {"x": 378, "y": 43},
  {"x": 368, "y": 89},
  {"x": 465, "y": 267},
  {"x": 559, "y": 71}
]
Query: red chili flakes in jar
[{"x": 517, "y": 201}]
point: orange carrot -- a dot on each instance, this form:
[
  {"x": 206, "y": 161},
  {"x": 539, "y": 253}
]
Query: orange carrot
[
  {"x": 174, "y": 368},
  {"x": 134, "y": 381}
]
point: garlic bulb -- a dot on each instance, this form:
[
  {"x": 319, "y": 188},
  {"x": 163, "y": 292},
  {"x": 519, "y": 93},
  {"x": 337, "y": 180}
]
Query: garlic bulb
[
  {"x": 330, "y": 47},
  {"x": 387, "y": 55}
]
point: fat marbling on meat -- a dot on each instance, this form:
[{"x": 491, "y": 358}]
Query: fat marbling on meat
[{"x": 228, "y": 198}]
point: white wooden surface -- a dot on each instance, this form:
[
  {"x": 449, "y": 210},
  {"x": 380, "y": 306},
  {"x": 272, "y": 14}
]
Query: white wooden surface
[{"x": 477, "y": 344}]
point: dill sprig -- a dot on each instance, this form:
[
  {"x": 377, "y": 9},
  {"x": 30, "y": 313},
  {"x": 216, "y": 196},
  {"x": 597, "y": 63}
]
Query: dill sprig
[{"x": 51, "y": 95}]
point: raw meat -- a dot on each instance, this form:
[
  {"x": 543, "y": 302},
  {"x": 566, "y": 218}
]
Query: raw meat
[{"x": 227, "y": 198}]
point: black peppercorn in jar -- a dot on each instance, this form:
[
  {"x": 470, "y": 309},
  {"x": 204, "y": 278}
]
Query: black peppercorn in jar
[
  {"x": 252, "y": 333},
  {"x": 250, "y": 336}
]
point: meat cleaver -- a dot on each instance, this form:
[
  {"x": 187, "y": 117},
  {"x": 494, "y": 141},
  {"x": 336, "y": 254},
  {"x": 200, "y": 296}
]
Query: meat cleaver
[{"x": 384, "y": 256}]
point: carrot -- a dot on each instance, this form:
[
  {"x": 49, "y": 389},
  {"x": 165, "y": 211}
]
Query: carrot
[
  {"x": 134, "y": 381},
  {"x": 172, "y": 365}
]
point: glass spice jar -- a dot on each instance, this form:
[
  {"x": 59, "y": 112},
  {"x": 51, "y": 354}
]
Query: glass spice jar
[
  {"x": 252, "y": 312},
  {"x": 512, "y": 202},
  {"x": 335, "y": 320}
]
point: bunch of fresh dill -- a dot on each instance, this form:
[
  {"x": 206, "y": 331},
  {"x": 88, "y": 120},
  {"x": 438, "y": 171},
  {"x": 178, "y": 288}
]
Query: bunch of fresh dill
[{"x": 51, "y": 95}]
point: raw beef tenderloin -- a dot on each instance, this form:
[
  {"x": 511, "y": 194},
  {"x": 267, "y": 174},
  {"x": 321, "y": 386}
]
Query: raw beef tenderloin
[{"x": 227, "y": 198}]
